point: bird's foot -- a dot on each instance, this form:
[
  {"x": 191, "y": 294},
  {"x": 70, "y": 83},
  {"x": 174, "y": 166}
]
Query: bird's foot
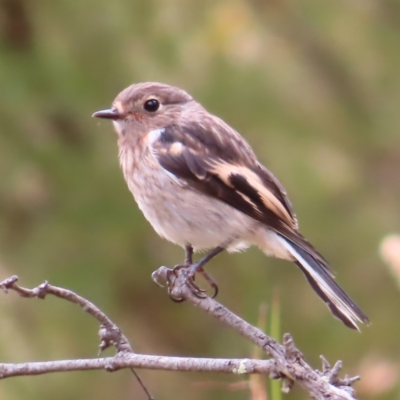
[
  {"x": 184, "y": 274},
  {"x": 188, "y": 269},
  {"x": 190, "y": 273}
]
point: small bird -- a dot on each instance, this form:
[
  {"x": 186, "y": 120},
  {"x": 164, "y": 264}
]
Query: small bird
[{"x": 200, "y": 185}]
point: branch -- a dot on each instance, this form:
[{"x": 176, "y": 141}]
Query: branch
[
  {"x": 109, "y": 333},
  {"x": 120, "y": 361},
  {"x": 287, "y": 362}
]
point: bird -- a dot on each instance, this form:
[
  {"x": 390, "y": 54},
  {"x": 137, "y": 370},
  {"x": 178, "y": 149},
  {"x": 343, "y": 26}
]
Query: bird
[{"x": 200, "y": 185}]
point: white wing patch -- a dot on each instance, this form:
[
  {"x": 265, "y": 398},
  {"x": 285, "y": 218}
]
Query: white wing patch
[
  {"x": 175, "y": 149},
  {"x": 154, "y": 135}
]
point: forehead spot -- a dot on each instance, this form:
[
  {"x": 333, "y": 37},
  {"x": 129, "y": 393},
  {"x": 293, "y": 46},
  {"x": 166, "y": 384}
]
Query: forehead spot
[{"x": 118, "y": 105}]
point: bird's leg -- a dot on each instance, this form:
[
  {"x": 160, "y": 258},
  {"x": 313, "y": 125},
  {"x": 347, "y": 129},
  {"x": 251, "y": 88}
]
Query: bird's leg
[
  {"x": 191, "y": 269},
  {"x": 188, "y": 259},
  {"x": 188, "y": 255},
  {"x": 198, "y": 267},
  {"x": 188, "y": 262}
]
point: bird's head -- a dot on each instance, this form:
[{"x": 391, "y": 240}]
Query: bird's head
[{"x": 144, "y": 107}]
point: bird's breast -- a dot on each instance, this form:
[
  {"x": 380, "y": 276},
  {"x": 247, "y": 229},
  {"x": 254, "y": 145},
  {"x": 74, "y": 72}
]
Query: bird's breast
[{"x": 177, "y": 212}]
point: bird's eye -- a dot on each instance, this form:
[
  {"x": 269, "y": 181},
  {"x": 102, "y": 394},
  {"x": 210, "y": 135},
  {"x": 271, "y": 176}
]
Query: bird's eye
[{"x": 152, "y": 105}]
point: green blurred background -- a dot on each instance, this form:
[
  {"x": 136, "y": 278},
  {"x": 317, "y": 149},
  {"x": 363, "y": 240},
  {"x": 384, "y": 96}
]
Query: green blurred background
[{"x": 314, "y": 87}]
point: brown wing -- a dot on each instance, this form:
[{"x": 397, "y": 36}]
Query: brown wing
[{"x": 220, "y": 163}]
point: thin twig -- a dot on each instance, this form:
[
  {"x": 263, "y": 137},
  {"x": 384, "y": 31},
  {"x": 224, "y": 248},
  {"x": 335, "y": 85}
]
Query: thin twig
[
  {"x": 110, "y": 334},
  {"x": 287, "y": 361},
  {"x": 140, "y": 361}
]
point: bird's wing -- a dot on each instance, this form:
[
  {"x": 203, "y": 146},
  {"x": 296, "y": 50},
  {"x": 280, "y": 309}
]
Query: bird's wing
[{"x": 218, "y": 162}]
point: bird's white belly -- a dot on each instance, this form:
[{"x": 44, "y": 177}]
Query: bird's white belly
[{"x": 185, "y": 216}]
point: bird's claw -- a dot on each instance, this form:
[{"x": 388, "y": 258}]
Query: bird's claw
[
  {"x": 190, "y": 271},
  {"x": 170, "y": 283}
]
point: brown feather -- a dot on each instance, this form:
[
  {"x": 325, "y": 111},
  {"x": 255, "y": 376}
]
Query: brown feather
[{"x": 205, "y": 153}]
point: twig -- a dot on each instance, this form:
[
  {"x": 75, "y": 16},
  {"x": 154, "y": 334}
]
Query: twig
[
  {"x": 110, "y": 334},
  {"x": 287, "y": 361},
  {"x": 140, "y": 361}
]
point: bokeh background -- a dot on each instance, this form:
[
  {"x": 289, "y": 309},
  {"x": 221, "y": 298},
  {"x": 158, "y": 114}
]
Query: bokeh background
[{"x": 314, "y": 87}]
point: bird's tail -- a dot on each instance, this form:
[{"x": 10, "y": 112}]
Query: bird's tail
[{"x": 322, "y": 281}]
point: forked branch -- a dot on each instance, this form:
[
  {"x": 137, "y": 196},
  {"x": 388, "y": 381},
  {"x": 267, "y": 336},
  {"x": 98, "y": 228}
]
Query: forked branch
[{"x": 286, "y": 363}]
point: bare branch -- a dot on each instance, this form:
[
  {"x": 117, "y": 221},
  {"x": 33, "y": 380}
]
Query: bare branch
[
  {"x": 109, "y": 333},
  {"x": 126, "y": 360},
  {"x": 287, "y": 361}
]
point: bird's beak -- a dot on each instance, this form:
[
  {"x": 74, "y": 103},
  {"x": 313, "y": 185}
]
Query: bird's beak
[{"x": 111, "y": 113}]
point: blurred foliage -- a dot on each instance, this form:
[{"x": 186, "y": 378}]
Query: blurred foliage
[{"x": 315, "y": 88}]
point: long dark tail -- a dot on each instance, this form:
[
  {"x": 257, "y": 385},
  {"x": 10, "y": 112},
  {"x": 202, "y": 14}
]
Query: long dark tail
[{"x": 322, "y": 281}]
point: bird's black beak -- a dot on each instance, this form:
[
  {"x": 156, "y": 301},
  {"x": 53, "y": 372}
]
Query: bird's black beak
[{"x": 111, "y": 113}]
